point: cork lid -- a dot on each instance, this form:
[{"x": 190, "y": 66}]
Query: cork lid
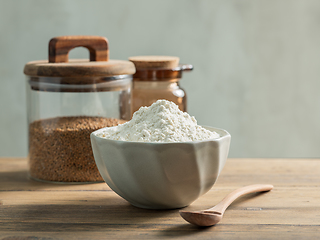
[
  {"x": 155, "y": 62},
  {"x": 158, "y": 68},
  {"x": 99, "y": 64}
]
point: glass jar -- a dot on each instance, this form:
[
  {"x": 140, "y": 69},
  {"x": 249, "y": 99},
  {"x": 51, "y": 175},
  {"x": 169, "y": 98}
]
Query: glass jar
[
  {"x": 157, "y": 77},
  {"x": 66, "y": 101}
]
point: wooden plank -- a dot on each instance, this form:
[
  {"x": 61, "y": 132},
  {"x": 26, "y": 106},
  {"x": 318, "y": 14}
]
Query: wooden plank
[
  {"x": 48, "y": 219},
  {"x": 100, "y": 231},
  {"x": 299, "y": 207},
  {"x": 236, "y": 173},
  {"x": 34, "y": 210},
  {"x": 280, "y": 172}
]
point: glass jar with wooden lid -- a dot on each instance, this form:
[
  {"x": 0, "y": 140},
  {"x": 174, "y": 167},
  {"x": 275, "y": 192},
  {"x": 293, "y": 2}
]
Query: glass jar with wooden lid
[
  {"x": 69, "y": 99},
  {"x": 157, "y": 77}
]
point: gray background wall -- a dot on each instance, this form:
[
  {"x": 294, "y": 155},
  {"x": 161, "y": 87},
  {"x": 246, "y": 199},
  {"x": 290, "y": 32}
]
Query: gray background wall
[{"x": 256, "y": 63}]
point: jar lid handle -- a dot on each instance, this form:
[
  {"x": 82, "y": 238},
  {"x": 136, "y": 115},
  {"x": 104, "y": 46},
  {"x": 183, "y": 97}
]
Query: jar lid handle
[{"x": 59, "y": 47}]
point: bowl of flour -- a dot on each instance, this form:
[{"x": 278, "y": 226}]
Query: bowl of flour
[{"x": 161, "y": 158}]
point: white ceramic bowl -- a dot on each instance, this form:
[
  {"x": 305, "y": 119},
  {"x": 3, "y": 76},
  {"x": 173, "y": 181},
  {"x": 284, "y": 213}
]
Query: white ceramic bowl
[{"x": 160, "y": 175}]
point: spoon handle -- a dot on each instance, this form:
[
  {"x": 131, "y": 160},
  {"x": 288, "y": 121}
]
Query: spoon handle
[{"x": 224, "y": 204}]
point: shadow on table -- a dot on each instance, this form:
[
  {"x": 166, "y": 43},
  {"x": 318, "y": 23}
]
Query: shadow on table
[
  {"x": 20, "y": 180},
  {"x": 115, "y": 214},
  {"x": 14, "y": 176},
  {"x": 183, "y": 230}
]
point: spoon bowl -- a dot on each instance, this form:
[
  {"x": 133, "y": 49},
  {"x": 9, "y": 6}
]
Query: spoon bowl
[{"x": 202, "y": 218}]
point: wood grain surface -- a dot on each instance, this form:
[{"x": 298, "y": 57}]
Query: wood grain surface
[{"x": 35, "y": 210}]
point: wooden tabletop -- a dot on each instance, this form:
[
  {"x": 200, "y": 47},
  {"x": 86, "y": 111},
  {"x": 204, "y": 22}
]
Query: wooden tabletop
[{"x": 43, "y": 211}]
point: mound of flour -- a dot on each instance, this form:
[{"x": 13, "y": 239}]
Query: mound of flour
[{"x": 161, "y": 122}]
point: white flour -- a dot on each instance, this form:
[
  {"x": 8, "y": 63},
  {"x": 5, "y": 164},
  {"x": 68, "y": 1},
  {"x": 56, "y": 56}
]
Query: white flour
[{"x": 161, "y": 122}]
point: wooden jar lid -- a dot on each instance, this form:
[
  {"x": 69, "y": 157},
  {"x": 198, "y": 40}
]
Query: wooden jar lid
[
  {"x": 59, "y": 65},
  {"x": 155, "y": 62},
  {"x": 79, "y": 68},
  {"x": 158, "y": 68}
]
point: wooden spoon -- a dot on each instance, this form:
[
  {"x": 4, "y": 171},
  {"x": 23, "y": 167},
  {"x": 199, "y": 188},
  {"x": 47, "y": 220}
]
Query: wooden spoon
[{"x": 212, "y": 216}]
